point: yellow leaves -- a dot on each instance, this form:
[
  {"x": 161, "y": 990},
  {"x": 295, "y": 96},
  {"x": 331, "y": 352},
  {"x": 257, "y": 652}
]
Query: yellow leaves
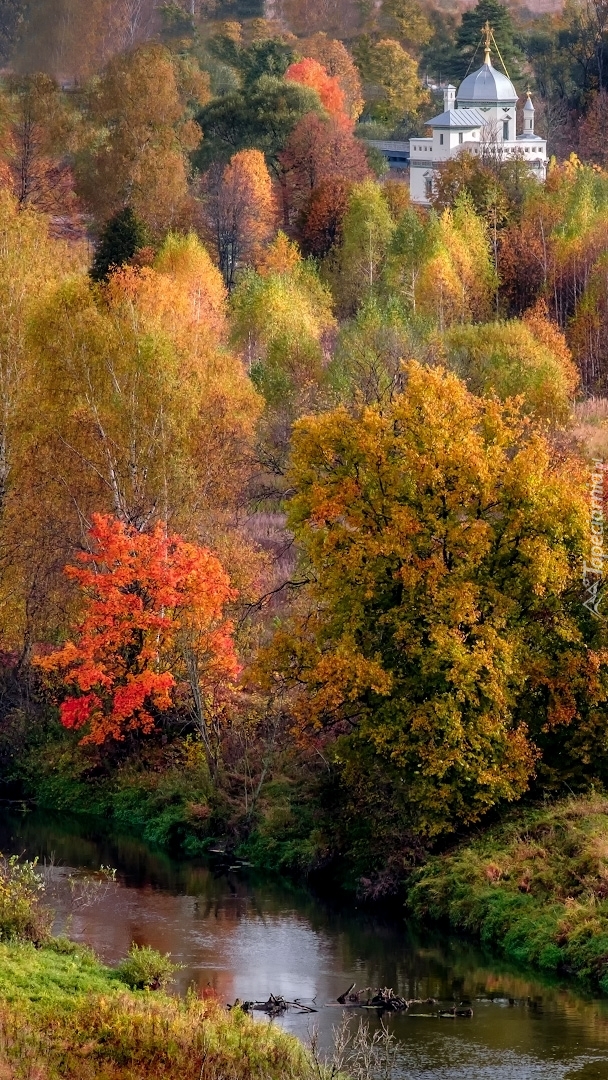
[
  {"x": 527, "y": 359},
  {"x": 280, "y": 257},
  {"x": 390, "y": 77},
  {"x": 443, "y": 542},
  {"x": 147, "y": 135},
  {"x": 182, "y": 295},
  {"x": 457, "y": 280},
  {"x": 294, "y": 307}
]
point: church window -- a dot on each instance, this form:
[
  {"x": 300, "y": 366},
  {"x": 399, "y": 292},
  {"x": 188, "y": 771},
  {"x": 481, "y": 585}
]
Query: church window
[
  {"x": 460, "y": 136},
  {"x": 441, "y": 140},
  {"x": 505, "y": 129}
]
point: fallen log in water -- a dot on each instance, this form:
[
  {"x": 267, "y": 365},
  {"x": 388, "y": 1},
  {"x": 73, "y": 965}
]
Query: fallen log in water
[
  {"x": 386, "y": 1000},
  {"x": 275, "y": 1006}
]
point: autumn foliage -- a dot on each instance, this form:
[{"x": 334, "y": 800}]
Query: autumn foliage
[
  {"x": 311, "y": 73},
  {"x": 441, "y": 633},
  {"x": 144, "y": 596}
]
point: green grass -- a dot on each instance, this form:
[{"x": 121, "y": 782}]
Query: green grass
[
  {"x": 63, "y": 1014},
  {"x": 534, "y": 888},
  {"x": 59, "y": 973}
]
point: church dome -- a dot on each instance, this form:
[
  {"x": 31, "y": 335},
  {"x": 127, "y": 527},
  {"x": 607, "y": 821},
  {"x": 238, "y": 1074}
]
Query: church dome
[{"x": 488, "y": 86}]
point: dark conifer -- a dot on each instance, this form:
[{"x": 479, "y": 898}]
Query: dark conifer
[{"x": 121, "y": 237}]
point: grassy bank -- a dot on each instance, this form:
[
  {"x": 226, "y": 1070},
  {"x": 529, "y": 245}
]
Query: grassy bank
[
  {"x": 534, "y": 888},
  {"x": 165, "y": 796},
  {"x": 63, "y": 1014}
]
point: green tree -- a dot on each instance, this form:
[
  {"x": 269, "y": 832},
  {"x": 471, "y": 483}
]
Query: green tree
[
  {"x": 271, "y": 56},
  {"x": 368, "y": 362},
  {"x": 261, "y": 118},
  {"x": 469, "y": 44},
  {"x": 366, "y": 233},
  {"x": 121, "y": 237},
  {"x": 511, "y": 360},
  {"x": 391, "y": 85}
]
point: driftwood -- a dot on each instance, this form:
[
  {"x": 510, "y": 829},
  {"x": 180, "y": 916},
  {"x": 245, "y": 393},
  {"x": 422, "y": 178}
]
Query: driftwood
[
  {"x": 275, "y": 1006},
  {"x": 386, "y": 1000}
]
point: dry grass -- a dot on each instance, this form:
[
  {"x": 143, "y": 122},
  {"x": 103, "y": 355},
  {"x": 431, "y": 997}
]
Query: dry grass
[
  {"x": 123, "y": 1037},
  {"x": 63, "y": 1014},
  {"x": 590, "y": 426}
]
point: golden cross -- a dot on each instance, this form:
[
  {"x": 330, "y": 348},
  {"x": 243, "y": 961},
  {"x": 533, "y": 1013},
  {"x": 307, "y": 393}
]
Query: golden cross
[{"x": 487, "y": 37}]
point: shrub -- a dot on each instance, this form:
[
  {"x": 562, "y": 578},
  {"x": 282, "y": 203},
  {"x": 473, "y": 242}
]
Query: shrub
[
  {"x": 22, "y": 913},
  {"x": 146, "y": 969}
]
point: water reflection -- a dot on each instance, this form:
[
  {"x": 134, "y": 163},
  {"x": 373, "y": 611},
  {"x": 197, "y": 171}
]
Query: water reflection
[{"x": 248, "y": 938}]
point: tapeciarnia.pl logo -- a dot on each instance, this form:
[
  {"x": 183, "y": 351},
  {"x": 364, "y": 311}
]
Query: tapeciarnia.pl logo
[{"x": 593, "y": 571}]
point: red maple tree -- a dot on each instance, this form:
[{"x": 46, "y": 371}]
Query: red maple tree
[{"x": 148, "y": 597}]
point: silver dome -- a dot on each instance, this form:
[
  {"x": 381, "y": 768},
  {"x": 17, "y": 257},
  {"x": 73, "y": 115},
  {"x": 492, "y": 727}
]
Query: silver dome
[{"x": 486, "y": 87}]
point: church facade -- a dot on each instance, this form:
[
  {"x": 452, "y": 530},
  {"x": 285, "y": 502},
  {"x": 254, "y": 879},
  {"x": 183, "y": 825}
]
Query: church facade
[{"x": 479, "y": 117}]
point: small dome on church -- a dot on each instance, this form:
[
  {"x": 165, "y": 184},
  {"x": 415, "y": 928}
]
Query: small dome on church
[
  {"x": 487, "y": 86},
  {"x": 529, "y": 107}
]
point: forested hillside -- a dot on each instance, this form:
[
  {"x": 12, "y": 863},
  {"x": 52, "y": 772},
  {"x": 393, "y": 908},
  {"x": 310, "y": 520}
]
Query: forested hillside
[{"x": 300, "y": 518}]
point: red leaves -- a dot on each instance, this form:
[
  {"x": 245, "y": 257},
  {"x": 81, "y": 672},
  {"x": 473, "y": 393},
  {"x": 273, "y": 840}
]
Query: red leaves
[
  {"x": 148, "y": 597},
  {"x": 74, "y": 712},
  {"x": 311, "y": 73}
]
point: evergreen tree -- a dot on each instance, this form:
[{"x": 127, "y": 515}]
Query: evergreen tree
[
  {"x": 469, "y": 40},
  {"x": 121, "y": 237}
]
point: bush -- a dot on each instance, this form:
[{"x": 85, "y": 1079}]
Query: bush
[
  {"x": 146, "y": 969},
  {"x": 22, "y": 913}
]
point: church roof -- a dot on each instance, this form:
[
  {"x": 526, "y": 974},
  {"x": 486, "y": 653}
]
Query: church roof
[
  {"x": 458, "y": 118},
  {"x": 487, "y": 86}
]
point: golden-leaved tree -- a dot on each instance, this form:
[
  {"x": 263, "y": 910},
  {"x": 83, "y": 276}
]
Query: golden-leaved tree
[
  {"x": 31, "y": 267},
  {"x": 240, "y": 211},
  {"x": 138, "y": 154},
  {"x": 527, "y": 358},
  {"x": 135, "y": 408},
  {"x": 457, "y": 280},
  {"x": 442, "y": 631}
]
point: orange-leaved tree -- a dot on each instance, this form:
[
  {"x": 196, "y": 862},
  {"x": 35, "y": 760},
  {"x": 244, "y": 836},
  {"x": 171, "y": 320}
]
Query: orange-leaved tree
[
  {"x": 153, "y": 614},
  {"x": 240, "y": 211},
  {"x": 311, "y": 73}
]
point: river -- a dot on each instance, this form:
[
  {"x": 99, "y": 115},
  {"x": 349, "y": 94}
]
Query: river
[{"x": 248, "y": 937}]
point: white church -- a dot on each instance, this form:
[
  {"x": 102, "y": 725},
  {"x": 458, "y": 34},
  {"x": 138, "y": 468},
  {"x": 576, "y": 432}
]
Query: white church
[{"x": 479, "y": 117}]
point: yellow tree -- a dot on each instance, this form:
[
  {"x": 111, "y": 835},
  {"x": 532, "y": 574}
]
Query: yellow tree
[
  {"x": 135, "y": 408},
  {"x": 139, "y": 157},
  {"x": 442, "y": 541},
  {"x": 457, "y": 279},
  {"x": 31, "y": 266}
]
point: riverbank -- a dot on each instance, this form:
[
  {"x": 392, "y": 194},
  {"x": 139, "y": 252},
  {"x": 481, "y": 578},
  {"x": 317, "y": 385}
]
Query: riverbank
[
  {"x": 534, "y": 888},
  {"x": 165, "y": 797},
  {"x": 64, "y": 1014}
]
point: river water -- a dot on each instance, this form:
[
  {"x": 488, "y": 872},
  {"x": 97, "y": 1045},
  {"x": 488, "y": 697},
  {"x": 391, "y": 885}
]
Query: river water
[{"x": 248, "y": 937}]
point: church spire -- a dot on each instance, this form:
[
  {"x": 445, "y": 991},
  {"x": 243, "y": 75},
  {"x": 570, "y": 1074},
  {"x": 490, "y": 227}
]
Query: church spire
[{"x": 487, "y": 40}]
